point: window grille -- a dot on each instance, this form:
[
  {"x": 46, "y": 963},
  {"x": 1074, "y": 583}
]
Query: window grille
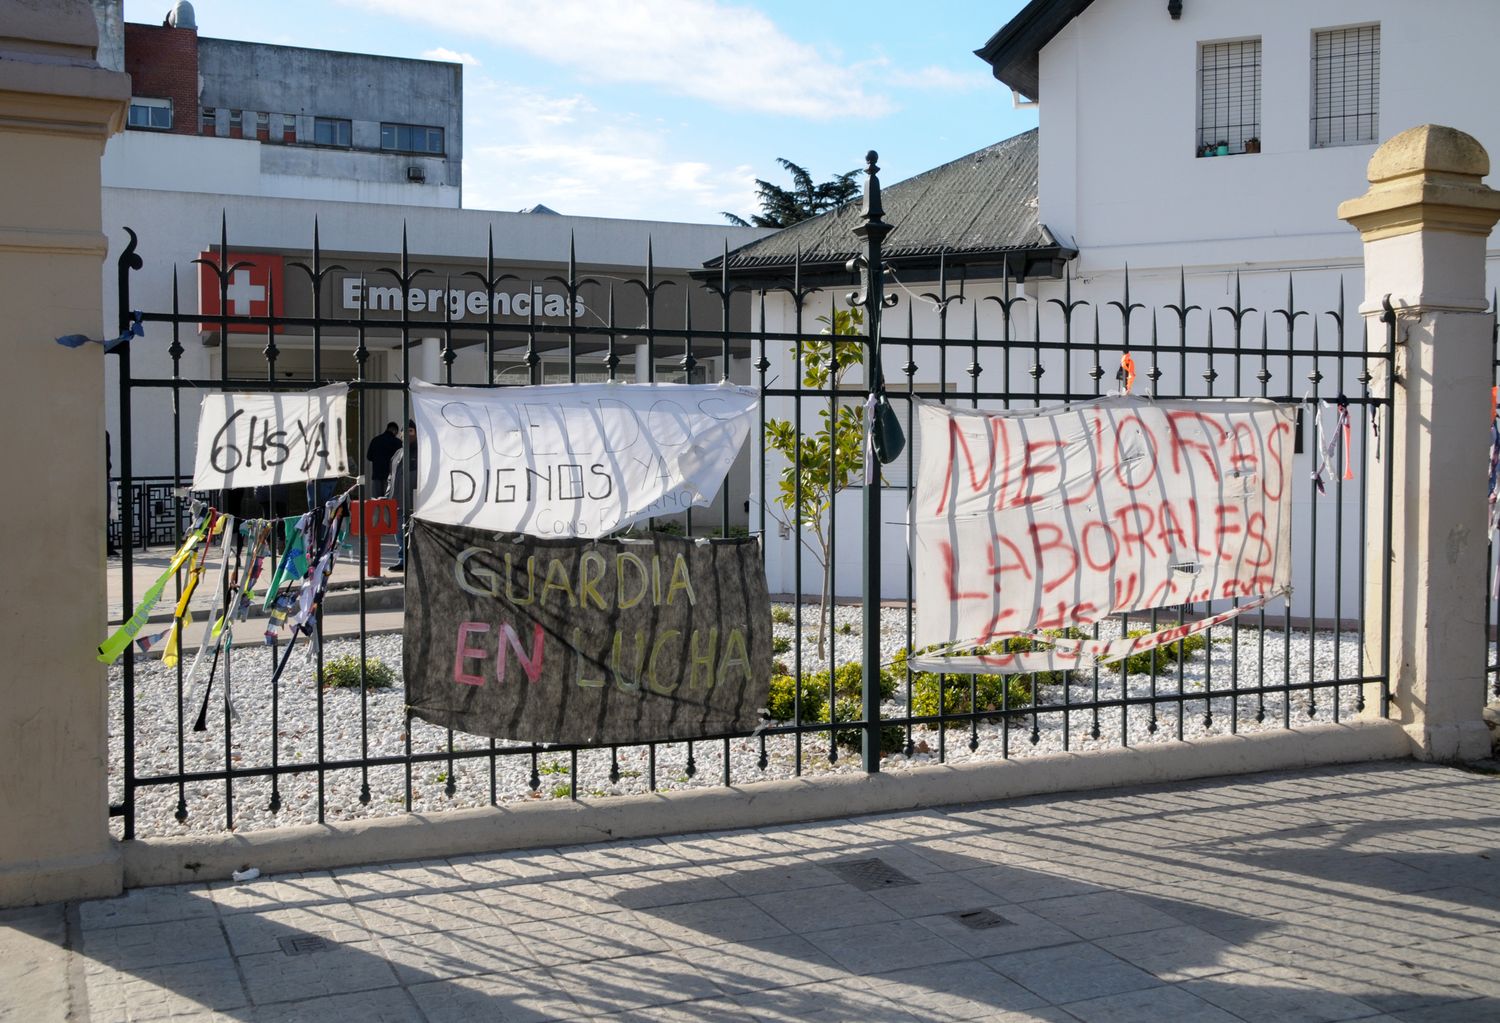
[
  {"x": 1229, "y": 97},
  {"x": 1346, "y": 86},
  {"x": 150, "y": 113},
  {"x": 411, "y": 138}
]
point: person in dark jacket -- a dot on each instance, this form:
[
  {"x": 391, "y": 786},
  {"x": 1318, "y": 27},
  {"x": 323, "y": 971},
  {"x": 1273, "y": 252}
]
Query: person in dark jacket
[{"x": 382, "y": 449}]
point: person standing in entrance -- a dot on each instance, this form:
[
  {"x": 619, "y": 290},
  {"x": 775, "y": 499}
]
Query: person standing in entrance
[
  {"x": 406, "y": 489},
  {"x": 382, "y": 449}
]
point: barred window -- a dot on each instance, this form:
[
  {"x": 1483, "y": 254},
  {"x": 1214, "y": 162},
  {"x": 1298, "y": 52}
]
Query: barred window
[
  {"x": 1346, "y": 86},
  {"x": 1229, "y": 97}
]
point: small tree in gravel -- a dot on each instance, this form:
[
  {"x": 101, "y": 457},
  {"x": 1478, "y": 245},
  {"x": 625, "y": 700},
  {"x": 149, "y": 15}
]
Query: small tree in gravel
[{"x": 831, "y": 458}]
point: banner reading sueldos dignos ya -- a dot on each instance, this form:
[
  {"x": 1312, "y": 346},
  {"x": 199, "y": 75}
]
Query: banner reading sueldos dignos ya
[{"x": 574, "y": 459}]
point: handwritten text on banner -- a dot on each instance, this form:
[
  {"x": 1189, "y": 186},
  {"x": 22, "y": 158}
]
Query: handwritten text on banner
[
  {"x": 1055, "y": 517},
  {"x": 574, "y": 459},
  {"x": 253, "y": 440}
]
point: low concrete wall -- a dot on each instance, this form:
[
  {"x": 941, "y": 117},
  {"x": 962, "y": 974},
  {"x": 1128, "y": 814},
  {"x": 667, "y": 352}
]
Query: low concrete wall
[{"x": 559, "y": 823}]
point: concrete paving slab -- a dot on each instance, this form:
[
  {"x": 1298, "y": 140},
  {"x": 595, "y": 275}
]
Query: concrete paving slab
[{"x": 1272, "y": 898}]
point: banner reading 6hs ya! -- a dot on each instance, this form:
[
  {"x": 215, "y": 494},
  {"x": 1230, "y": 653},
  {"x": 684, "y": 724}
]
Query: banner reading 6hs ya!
[
  {"x": 574, "y": 459},
  {"x": 253, "y": 440},
  {"x": 585, "y": 641}
]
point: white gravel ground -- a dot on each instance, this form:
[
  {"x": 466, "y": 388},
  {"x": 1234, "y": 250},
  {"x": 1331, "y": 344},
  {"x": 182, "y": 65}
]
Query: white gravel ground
[{"x": 1306, "y": 657}]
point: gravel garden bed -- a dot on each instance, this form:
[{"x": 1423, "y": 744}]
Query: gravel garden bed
[{"x": 1297, "y": 656}]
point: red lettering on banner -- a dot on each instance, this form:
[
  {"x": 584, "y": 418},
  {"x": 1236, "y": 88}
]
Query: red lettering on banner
[
  {"x": 1223, "y": 528},
  {"x": 1065, "y": 615},
  {"x": 992, "y": 629},
  {"x": 1114, "y": 546},
  {"x": 1030, "y": 470},
  {"x": 1171, "y": 530},
  {"x": 950, "y": 573},
  {"x": 1197, "y": 530},
  {"x": 1057, "y": 543},
  {"x": 948, "y": 484},
  {"x": 1181, "y": 445},
  {"x": 1125, "y": 591},
  {"x": 1000, "y": 445},
  {"x": 1163, "y": 590},
  {"x": 1255, "y": 529},
  {"x": 1245, "y": 457},
  {"x": 1139, "y": 535},
  {"x": 1280, "y": 474},
  {"x": 996, "y": 567}
]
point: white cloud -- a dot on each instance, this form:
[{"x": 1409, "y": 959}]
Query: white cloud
[
  {"x": 940, "y": 79},
  {"x": 724, "y": 54},
  {"x": 443, "y": 53},
  {"x": 524, "y": 147}
]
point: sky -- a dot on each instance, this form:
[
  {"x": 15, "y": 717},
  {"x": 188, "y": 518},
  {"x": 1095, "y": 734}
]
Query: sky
[{"x": 670, "y": 109}]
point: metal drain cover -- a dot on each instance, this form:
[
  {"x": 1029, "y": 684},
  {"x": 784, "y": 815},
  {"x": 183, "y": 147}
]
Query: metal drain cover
[
  {"x": 981, "y": 919},
  {"x": 871, "y": 874},
  {"x": 302, "y": 944}
]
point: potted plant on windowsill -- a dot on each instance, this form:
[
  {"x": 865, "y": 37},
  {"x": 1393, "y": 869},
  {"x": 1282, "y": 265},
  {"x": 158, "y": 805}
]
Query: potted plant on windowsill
[
  {"x": 1222, "y": 149},
  {"x": 1252, "y": 144}
]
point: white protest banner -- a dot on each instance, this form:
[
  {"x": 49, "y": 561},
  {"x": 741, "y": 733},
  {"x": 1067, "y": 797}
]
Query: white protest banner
[
  {"x": 573, "y": 460},
  {"x": 1048, "y": 518},
  {"x": 253, "y": 440}
]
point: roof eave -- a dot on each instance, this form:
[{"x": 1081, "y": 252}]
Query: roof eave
[
  {"x": 1012, "y": 53},
  {"x": 1019, "y": 262}
]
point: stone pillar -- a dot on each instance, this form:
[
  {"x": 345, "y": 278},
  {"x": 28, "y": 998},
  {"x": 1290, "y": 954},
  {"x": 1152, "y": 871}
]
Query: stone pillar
[
  {"x": 1425, "y": 222},
  {"x": 57, "y": 108}
]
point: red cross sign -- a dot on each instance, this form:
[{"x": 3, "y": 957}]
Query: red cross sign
[{"x": 252, "y": 288}]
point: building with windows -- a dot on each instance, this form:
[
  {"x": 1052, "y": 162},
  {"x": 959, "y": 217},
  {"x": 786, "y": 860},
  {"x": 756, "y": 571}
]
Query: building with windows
[
  {"x": 283, "y": 120},
  {"x": 279, "y": 145},
  {"x": 1202, "y": 147}
]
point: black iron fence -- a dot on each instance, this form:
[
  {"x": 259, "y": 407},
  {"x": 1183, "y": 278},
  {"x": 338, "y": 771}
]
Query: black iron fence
[{"x": 346, "y": 752}]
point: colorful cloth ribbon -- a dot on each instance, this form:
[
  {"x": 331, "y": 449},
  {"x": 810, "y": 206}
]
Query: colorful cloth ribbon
[{"x": 111, "y": 649}]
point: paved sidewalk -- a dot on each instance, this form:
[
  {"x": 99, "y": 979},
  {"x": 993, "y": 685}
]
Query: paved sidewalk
[{"x": 1369, "y": 892}]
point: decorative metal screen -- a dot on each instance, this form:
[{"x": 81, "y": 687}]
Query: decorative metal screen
[
  {"x": 1229, "y": 97},
  {"x": 1346, "y": 86}
]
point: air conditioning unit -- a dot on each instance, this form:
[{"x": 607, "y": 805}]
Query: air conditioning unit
[{"x": 417, "y": 174}]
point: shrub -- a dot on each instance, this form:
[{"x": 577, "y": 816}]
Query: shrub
[
  {"x": 343, "y": 673},
  {"x": 780, "y": 704},
  {"x": 781, "y": 616},
  {"x": 1162, "y": 657},
  {"x": 932, "y": 695},
  {"x": 847, "y": 708},
  {"x": 780, "y": 644}
]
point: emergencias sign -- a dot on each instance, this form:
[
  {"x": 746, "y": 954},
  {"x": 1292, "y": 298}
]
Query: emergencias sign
[{"x": 456, "y": 303}]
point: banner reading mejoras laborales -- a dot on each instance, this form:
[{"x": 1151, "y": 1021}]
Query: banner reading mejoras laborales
[
  {"x": 1033, "y": 519},
  {"x": 585, "y": 641}
]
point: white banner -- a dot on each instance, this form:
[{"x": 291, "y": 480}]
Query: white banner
[
  {"x": 252, "y": 440},
  {"x": 573, "y": 460},
  {"x": 1033, "y": 519}
]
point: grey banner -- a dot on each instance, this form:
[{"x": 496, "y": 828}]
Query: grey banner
[{"x": 585, "y": 641}]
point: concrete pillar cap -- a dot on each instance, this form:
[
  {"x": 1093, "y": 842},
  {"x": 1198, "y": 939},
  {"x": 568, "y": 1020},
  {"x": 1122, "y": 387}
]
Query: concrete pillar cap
[
  {"x": 1431, "y": 148},
  {"x": 1427, "y": 178}
]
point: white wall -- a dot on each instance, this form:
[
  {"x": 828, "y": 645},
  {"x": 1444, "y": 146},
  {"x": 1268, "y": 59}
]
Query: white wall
[
  {"x": 1118, "y": 126},
  {"x": 176, "y": 227},
  {"x": 225, "y": 166}
]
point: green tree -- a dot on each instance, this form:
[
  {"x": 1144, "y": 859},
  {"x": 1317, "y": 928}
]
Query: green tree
[
  {"x": 783, "y": 207},
  {"x": 832, "y": 457}
]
